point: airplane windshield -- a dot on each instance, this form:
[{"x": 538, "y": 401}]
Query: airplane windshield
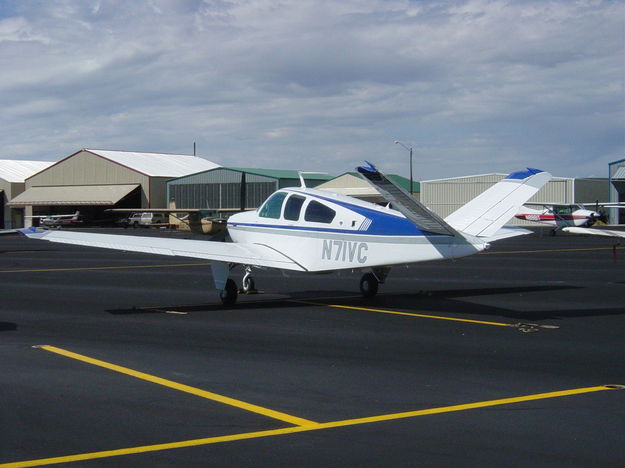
[
  {"x": 273, "y": 206},
  {"x": 563, "y": 210}
]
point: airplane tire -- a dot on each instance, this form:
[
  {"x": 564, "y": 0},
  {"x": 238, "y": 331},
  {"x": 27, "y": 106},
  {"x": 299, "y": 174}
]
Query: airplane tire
[
  {"x": 228, "y": 295},
  {"x": 368, "y": 285}
]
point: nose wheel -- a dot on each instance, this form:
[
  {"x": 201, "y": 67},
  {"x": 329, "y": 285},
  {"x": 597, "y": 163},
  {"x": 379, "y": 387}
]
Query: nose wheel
[{"x": 369, "y": 285}]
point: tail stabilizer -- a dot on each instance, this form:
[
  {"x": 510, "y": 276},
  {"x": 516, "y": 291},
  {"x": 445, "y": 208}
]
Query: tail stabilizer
[{"x": 488, "y": 212}]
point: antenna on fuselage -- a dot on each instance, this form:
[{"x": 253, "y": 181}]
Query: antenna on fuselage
[{"x": 301, "y": 177}]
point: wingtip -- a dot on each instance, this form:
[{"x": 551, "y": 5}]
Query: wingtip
[
  {"x": 368, "y": 168},
  {"x": 528, "y": 172},
  {"x": 31, "y": 231}
]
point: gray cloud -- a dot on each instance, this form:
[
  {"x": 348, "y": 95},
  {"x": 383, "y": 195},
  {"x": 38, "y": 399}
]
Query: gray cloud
[{"x": 478, "y": 85}]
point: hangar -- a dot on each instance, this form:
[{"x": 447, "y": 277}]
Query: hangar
[
  {"x": 444, "y": 196},
  {"x": 93, "y": 180},
  {"x": 351, "y": 184},
  {"x": 230, "y": 188},
  {"x": 13, "y": 174}
]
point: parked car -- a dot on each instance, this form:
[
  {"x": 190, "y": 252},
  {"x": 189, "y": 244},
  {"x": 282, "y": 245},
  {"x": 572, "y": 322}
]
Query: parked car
[
  {"x": 148, "y": 219},
  {"x": 133, "y": 220}
]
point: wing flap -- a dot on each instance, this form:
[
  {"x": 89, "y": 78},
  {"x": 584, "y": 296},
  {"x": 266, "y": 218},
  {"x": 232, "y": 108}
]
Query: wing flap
[
  {"x": 407, "y": 205},
  {"x": 247, "y": 254}
]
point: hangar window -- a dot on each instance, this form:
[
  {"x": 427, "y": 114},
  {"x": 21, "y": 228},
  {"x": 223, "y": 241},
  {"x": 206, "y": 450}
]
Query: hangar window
[
  {"x": 293, "y": 207},
  {"x": 319, "y": 213},
  {"x": 273, "y": 206}
]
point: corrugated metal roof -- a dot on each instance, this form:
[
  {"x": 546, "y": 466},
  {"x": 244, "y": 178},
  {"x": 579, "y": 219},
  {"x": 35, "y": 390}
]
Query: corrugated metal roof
[
  {"x": 73, "y": 195},
  {"x": 619, "y": 173},
  {"x": 281, "y": 173},
  {"x": 345, "y": 181},
  {"x": 157, "y": 164},
  {"x": 16, "y": 171}
]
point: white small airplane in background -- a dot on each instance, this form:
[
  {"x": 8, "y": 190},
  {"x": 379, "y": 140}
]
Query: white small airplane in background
[
  {"x": 562, "y": 215},
  {"x": 598, "y": 232},
  {"x": 58, "y": 220},
  {"x": 308, "y": 230}
]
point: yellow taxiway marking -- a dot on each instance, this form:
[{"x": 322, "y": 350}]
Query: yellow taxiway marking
[
  {"x": 124, "y": 267},
  {"x": 411, "y": 314},
  {"x": 588, "y": 249},
  {"x": 296, "y": 429},
  {"x": 183, "y": 388}
]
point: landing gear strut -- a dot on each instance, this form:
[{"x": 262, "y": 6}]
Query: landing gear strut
[
  {"x": 228, "y": 294},
  {"x": 248, "y": 282}
]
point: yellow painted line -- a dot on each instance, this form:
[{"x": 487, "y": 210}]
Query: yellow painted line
[
  {"x": 590, "y": 249},
  {"x": 183, "y": 388},
  {"x": 125, "y": 267},
  {"x": 293, "y": 430},
  {"x": 411, "y": 314}
]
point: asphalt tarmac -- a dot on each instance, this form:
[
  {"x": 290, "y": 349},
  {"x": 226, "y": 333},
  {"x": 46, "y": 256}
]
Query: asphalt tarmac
[{"x": 504, "y": 358}]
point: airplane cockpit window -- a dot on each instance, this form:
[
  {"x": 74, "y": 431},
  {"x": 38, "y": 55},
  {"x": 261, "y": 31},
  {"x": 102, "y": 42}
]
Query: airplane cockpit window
[
  {"x": 293, "y": 207},
  {"x": 562, "y": 210},
  {"x": 273, "y": 206},
  {"x": 319, "y": 213}
]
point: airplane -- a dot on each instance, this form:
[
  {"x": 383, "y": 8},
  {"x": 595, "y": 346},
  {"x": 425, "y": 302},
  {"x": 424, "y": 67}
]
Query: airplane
[
  {"x": 59, "y": 220},
  {"x": 308, "y": 230},
  {"x": 562, "y": 215}
]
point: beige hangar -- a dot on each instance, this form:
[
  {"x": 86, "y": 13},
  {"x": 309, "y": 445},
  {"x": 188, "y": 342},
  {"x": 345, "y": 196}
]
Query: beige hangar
[{"x": 92, "y": 180}]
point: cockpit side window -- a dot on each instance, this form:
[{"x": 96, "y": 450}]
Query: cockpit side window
[
  {"x": 293, "y": 207},
  {"x": 319, "y": 213},
  {"x": 562, "y": 210},
  {"x": 273, "y": 206}
]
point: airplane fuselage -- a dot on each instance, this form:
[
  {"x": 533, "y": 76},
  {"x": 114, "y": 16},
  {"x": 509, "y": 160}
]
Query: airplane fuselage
[
  {"x": 321, "y": 231},
  {"x": 563, "y": 218}
]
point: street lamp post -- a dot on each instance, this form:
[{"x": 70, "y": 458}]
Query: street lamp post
[{"x": 409, "y": 148}]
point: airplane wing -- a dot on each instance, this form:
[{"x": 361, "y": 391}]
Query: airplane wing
[
  {"x": 407, "y": 205},
  {"x": 594, "y": 232},
  {"x": 227, "y": 252}
]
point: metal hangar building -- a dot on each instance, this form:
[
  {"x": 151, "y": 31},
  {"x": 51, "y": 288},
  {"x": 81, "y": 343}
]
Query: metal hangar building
[
  {"x": 351, "y": 184},
  {"x": 13, "y": 174},
  {"x": 233, "y": 188},
  {"x": 444, "y": 196},
  {"x": 92, "y": 180}
]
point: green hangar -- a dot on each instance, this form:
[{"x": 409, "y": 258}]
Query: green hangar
[{"x": 234, "y": 188}]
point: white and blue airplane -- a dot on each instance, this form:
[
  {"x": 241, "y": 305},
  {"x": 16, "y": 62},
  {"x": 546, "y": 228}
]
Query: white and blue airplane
[{"x": 314, "y": 231}]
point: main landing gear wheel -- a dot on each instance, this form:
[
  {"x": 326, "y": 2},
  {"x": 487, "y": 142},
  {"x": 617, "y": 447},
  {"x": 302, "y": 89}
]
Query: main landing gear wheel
[
  {"x": 228, "y": 295},
  {"x": 369, "y": 285}
]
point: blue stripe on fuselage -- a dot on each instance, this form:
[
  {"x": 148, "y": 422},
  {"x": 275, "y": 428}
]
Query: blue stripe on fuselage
[{"x": 382, "y": 223}]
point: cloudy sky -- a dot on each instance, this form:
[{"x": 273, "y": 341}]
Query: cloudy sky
[{"x": 476, "y": 86}]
